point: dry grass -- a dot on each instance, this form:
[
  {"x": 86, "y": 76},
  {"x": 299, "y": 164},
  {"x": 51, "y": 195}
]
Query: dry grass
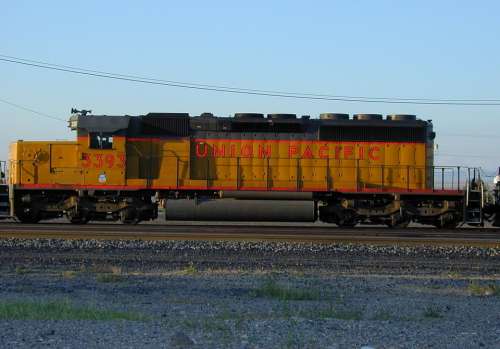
[
  {"x": 69, "y": 274},
  {"x": 454, "y": 275},
  {"x": 483, "y": 290},
  {"x": 109, "y": 278},
  {"x": 108, "y": 273},
  {"x": 106, "y": 268}
]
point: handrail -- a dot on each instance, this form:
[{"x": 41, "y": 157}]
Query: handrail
[{"x": 360, "y": 176}]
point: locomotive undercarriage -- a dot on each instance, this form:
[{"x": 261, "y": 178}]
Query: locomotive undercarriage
[
  {"x": 131, "y": 207},
  {"x": 391, "y": 210},
  {"x": 82, "y": 206}
]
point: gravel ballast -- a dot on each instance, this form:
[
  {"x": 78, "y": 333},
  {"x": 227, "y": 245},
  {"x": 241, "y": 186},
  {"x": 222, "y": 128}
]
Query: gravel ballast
[{"x": 196, "y": 294}]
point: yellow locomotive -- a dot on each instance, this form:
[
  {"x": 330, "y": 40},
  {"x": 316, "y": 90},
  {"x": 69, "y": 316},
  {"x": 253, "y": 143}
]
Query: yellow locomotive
[{"x": 280, "y": 167}]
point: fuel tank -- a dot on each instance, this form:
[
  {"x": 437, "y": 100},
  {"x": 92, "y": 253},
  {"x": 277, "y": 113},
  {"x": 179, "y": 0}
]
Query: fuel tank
[
  {"x": 240, "y": 210},
  {"x": 266, "y": 195}
]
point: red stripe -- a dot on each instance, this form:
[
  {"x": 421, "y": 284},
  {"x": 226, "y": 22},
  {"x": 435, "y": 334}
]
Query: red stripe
[{"x": 136, "y": 187}]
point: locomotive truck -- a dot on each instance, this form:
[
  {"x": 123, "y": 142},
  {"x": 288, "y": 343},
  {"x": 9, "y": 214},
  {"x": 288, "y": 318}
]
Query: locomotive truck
[{"x": 254, "y": 167}]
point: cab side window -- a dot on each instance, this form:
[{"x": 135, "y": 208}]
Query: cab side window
[{"x": 101, "y": 140}]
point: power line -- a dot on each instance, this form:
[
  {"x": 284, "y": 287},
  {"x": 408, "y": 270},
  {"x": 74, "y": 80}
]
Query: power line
[
  {"x": 31, "y": 110},
  {"x": 228, "y": 89},
  {"x": 245, "y": 89},
  {"x": 467, "y": 135},
  {"x": 465, "y": 156}
]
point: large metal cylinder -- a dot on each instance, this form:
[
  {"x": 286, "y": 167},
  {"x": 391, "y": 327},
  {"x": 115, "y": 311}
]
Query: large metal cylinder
[
  {"x": 266, "y": 195},
  {"x": 282, "y": 116},
  {"x": 401, "y": 117},
  {"x": 367, "y": 117},
  {"x": 240, "y": 210},
  {"x": 333, "y": 116}
]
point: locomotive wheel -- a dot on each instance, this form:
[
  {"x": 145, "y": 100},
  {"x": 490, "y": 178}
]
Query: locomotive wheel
[
  {"x": 27, "y": 215},
  {"x": 496, "y": 221},
  {"x": 399, "y": 221},
  {"x": 77, "y": 217},
  {"x": 399, "y": 225},
  {"x": 347, "y": 219},
  {"x": 129, "y": 215},
  {"x": 449, "y": 221},
  {"x": 79, "y": 220},
  {"x": 347, "y": 224},
  {"x": 446, "y": 225}
]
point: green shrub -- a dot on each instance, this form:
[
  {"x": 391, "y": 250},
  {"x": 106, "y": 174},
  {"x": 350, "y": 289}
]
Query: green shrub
[
  {"x": 59, "y": 310},
  {"x": 272, "y": 289}
]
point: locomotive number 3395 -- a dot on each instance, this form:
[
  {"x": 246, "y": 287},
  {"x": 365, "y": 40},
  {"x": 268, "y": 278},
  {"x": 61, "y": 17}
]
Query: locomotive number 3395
[{"x": 99, "y": 160}]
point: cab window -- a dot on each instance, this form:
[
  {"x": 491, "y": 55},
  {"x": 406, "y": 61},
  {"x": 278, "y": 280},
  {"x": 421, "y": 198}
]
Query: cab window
[{"x": 101, "y": 141}]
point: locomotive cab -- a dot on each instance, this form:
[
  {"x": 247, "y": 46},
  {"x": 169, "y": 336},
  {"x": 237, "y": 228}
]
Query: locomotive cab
[
  {"x": 101, "y": 149},
  {"x": 79, "y": 178}
]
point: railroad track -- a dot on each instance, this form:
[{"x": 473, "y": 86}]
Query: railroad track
[{"x": 481, "y": 237}]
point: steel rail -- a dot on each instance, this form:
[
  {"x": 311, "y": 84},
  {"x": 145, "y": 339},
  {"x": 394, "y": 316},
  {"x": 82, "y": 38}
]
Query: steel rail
[
  {"x": 327, "y": 235},
  {"x": 323, "y": 228}
]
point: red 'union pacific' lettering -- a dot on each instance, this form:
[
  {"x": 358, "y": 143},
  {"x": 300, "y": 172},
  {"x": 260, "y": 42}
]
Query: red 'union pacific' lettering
[
  {"x": 201, "y": 153},
  {"x": 265, "y": 151},
  {"x": 218, "y": 151},
  {"x": 261, "y": 151}
]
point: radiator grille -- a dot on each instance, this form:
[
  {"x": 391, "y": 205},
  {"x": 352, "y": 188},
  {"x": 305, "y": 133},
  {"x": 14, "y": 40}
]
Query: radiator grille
[
  {"x": 382, "y": 134},
  {"x": 172, "y": 124}
]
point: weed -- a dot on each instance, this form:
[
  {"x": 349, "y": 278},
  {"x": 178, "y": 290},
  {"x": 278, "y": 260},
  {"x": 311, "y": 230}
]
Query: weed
[
  {"x": 69, "y": 274},
  {"x": 432, "y": 313},
  {"x": 108, "y": 273},
  {"x": 454, "y": 275},
  {"x": 298, "y": 273},
  {"x": 382, "y": 315},
  {"x": 226, "y": 313},
  {"x": 108, "y": 278},
  {"x": 434, "y": 287},
  {"x": 483, "y": 290},
  {"x": 286, "y": 310},
  {"x": 115, "y": 270},
  {"x": 108, "y": 269},
  {"x": 408, "y": 318},
  {"x": 239, "y": 323},
  {"x": 212, "y": 324},
  {"x": 293, "y": 337},
  {"x": 190, "y": 269},
  {"x": 20, "y": 270},
  {"x": 271, "y": 289},
  {"x": 291, "y": 341},
  {"x": 60, "y": 310},
  {"x": 189, "y": 323}
]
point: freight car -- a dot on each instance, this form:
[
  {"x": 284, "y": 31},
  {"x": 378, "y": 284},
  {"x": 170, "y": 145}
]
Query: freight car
[{"x": 279, "y": 167}]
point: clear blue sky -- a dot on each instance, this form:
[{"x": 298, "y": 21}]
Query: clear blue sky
[{"x": 434, "y": 49}]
